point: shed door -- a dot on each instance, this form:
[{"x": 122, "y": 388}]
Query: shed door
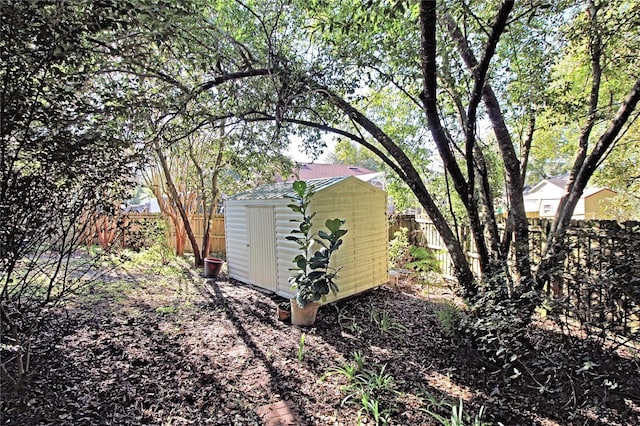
[{"x": 262, "y": 248}]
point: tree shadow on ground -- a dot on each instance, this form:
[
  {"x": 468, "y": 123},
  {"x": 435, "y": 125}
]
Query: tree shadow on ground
[
  {"x": 244, "y": 314},
  {"x": 164, "y": 355},
  {"x": 554, "y": 384}
]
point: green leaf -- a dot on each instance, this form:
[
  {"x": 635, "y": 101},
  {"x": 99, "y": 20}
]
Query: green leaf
[
  {"x": 300, "y": 187},
  {"x": 321, "y": 243},
  {"x": 322, "y": 234},
  {"x": 317, "y": 265},
  {"x": 419, "y": 252},
  {"x": 300, "y": 262},
  {"x": 316, "y": 275},
  {"x": 305, "y": 227},
  {"x": 339, "y": 233},
  {"x": 334, "y": 224},
  {"x": 296, "y": 208}
]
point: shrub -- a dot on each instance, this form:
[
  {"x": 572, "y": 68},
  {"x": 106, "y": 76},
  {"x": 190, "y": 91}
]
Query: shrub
[
  {"x": 399, "y": 254},
  {"x": 450, "y": 316}
]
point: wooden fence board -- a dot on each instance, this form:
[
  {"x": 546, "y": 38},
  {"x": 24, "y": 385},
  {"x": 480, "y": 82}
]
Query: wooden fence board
[{"x": 216, "y": 233}]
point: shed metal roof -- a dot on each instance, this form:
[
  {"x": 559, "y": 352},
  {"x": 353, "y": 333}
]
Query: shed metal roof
[{"x": 281, "y": 190}]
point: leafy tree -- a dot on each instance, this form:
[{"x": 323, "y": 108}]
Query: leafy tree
[
  {"x": 347, "y": 152},
  {"x": 193, "y": 173},
  {"x": 64, "y": 159},
  {"x": 599, "y": 47},
  {"x": 195, "y": 98}
]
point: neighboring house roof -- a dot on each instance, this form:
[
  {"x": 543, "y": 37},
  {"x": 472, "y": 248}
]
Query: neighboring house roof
[
  {"x": 280, "y": 190},
  {"x": 560, "y": 182},
  {"x": 308, "y": 171},
  {"x": 375, "y": 179},
  {"x": 588, "y": 192}
]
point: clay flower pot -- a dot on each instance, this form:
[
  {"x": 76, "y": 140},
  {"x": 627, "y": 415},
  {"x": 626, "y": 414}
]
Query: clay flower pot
[
  {"x": 212, "y": 266},
  {"x": 283, "y": 311},
  {"x": 303, "y": 316}
]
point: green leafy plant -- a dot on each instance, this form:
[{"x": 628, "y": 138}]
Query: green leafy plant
[
  {"x": 314, "y": 278},
  {"x": 301, "y": 347},
  {"x": 423, "y": 260},
  {"x": 158, "y": 233},
  {"x": 348, "y": 322},
  {"x": 399, "y": 249},
  {"x": 457, "y": 417},
  {"x": 372, "y": 407},
  {"x": 385, "y": 322},
  {"x": 370, "y": 387},
  {"x": 152, "y": 235},
  {"x": 347, "y": 370},
  {"x": 450, "y": 316}
]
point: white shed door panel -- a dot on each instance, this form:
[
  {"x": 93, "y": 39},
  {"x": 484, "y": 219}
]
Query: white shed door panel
[{"x": 262, "y": 248}]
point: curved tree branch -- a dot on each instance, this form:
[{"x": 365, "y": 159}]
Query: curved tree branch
[{"x": 327, "y": 128}]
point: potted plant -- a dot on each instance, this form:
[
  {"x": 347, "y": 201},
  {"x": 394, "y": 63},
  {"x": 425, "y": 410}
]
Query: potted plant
[
  {"x": 283, "y": 311},
  {"x": 313, "y": 278}
]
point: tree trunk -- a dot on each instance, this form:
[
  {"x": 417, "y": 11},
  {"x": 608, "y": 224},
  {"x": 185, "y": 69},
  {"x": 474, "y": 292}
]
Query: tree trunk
[
  {"x": 412, "y": 178},
  {"x": 513, "y": 177},
  {"x": 209, "y": 208},
  {"x": 173, "y": 193}
]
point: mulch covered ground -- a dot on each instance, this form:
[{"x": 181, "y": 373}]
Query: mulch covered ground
[{"x": 150, "y": 348}]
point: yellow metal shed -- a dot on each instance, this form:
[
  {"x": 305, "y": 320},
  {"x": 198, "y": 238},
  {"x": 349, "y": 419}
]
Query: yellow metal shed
[{"x": 257, "y": 223}]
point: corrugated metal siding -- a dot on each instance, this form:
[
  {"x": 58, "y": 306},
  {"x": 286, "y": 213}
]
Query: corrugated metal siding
[
  {"x": 286, "y": 250},
  {"x": 276, "y": 191},
  {"x": 237, "y": 240}
]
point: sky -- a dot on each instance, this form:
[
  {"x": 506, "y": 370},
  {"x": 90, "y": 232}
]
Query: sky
[{"x": 296, "y": 153}]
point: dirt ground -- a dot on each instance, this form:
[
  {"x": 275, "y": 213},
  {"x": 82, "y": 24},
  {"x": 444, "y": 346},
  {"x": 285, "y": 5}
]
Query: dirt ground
[{"x": 168, "y": 347}]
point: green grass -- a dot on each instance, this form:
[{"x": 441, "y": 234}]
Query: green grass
[
  {"x": 167, "y": 310},
  {"x": 370, "y": 387}
]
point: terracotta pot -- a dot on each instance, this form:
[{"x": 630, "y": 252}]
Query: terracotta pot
[
  {"x": 303, "y": 316},
  {"x": 283, "y": 313},
  {"x": 212, "y": 266}
]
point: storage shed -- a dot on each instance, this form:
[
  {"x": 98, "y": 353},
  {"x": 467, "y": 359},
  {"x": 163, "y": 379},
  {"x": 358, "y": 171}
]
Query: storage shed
[{"x": 258, "y": 221}]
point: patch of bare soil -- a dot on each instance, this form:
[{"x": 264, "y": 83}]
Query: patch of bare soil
[{"x": 150, "y": 349}]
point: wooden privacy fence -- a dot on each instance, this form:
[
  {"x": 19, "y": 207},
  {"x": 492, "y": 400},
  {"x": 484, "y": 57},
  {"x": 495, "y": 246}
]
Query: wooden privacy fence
[
  {"x": 128, "y": 230},
  {"x": 598, "y": 282},
  {"x": 423, "y": 233},
  {"x": 216, "y": 233},
  {"x": 122, "y": 229}
]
